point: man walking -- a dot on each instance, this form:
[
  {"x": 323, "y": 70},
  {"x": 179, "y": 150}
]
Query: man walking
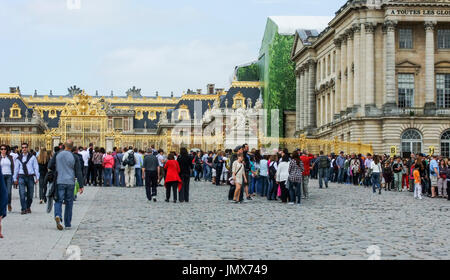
[
  {"x": 324, "y": 165},
  {"x": 26, "y": 176},
  {"x": 68, "y": 168},
  {"x": 151, "y": 171},
  {"x": 85, "y": 155}
]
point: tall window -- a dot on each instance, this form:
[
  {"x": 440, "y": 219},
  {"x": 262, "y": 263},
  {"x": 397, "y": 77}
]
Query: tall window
[
  {"x": 443, "y": 90},
  {"x": 443, "y": 38},
  {"x": 118, "y": 123},
  {"x": 411, "y": 142},
  {"x": 445, "y": 144},
  {"x": 405, "y": 38},
  {"x": 405, "y": 90}
]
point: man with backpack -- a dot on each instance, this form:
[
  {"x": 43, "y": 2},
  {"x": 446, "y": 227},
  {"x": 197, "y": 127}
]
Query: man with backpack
[
  {"x": 324, "y": 165},
  {"x": 129, "y": 162}
]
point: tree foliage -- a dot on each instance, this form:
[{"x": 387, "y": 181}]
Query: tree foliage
[
  {"x": 248, "y": 73},
  {"x": 281, "y": 78}
]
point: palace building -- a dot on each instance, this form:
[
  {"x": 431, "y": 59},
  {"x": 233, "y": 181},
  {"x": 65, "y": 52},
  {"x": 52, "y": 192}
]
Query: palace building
[
  {"x": 134, "y": 119},
  {"x": 379, "y": 73}
]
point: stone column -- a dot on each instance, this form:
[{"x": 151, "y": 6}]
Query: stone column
[
  {"x": 305, "y": 98},
  {"x": 332, "y": 96},
  {"x": 326, "y": 108},
  {"x": 389, "y": 72},
  {"x": 297, "y": 100},
  {"x": 349, "y": 34},
  {"x": 301, "y": 100},
  {"x": 337, "y": 94},
  {"x": 311, "y": 94},
  {"x": 343, "y": 95},
  {"x": 370, "y": 65},
  {"x": 357, "y": 69},
  {"x": 430, "y": 103}
]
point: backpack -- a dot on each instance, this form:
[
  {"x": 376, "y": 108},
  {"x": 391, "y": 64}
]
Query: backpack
[
  {"x": 130, "y": 161},
  {"x": 323, "y": 162},
  {"x": 272, "y": 171}
]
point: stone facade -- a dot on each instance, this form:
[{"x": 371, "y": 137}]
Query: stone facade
[{"x": 380, "y": 69}]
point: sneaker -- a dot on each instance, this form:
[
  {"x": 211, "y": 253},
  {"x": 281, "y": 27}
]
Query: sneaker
[
  {"x": 291, "y": 203},
  {"x": 23, "y": 212},
  {"x": 28, "y": 211},
  {"x": 59, "y": 226},
  {"x": 68, "y": 228},
  {"x": 167, "y": 200},
  {"x": 249, "y": 198},
  {"x": 154, "y": 200}
]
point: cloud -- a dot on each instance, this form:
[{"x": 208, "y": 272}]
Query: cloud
[{"x": 173, "y": 67}]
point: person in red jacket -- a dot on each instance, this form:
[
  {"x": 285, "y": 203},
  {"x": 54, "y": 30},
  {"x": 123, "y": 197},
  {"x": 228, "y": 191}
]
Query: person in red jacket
[
  {"x": 173, "y": 180},
  {"x": 108, "y": 165},
  {"x": 306, "y": 159}
]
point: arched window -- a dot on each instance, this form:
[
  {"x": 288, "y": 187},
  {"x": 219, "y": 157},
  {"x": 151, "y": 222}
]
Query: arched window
[
  {"x": 445, "y": 144},
  {"x": 411, "y": 142}
]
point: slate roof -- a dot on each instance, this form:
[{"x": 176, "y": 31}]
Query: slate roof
[
  {"x": 252, "y": 93},
  {"x": 7, "y": 102}
]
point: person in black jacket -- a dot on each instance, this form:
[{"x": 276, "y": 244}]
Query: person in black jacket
[{"x": 185, "y": 162}]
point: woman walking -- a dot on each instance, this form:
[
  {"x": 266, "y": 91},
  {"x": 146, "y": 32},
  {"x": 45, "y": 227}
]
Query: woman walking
[
  {"x": 98, "y": 162},
  {"x": 239, "y": 178},
  {"x": 388, "y": 175},
  {"x": 173, "y": 181},
  {"x": 43, "y": 160},
  {"x": 198, "y": 166},
  {"x": 376, "y": 174},
  {"x": 7, "y": 167},
  {"x": 185, "y": 162},
  {"x": 296, "y": 169},
  {"x": 282, "y": 177},
  {"x": 3, "y": 200}
]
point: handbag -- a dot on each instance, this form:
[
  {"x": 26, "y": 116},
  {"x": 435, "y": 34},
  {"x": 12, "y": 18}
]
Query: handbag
[
  {"x": 231, "y": 180},
  {"x": 279, "y": 191}
]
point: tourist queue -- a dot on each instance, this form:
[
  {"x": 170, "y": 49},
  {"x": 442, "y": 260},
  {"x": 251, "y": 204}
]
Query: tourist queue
[{"x": 282, "y": 175}]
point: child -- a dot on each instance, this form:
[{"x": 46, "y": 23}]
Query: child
[{"x": 417, "y": 183}]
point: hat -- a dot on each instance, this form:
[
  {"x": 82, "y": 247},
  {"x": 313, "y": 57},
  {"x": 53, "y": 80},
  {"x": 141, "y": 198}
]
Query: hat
[
  {"x": 237, "y": 149},
  {"x": 149, "y": 151}
]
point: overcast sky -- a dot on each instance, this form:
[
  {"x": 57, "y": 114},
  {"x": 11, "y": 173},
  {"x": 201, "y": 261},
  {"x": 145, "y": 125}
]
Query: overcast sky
[{"x": 159, "y": 46}]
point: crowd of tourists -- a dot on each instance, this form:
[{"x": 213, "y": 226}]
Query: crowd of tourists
[{"x": 281, "y": 176}]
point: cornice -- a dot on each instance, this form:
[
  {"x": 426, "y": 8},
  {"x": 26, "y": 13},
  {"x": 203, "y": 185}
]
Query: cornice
[{"x": 246, "y": 84}]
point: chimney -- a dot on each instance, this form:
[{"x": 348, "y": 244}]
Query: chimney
[
  {"x": 210, "y": 88},
  {"x": 219, "y": 90},
  {"x": 199, "y": 91}
]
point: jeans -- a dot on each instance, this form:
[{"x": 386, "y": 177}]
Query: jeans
[
  {"x": 108, "y": 178},
  {"x": 341, "y": 175},
  {"x": 218, "y": 175},
  {"x": 122, "y": 177},
  {"x": 117, "y": 180},
  {"x": 264, "y": 181},
  {"x": 398, "y": 181},
  {"x": 65, "y": 193},
  {"x": 323, "y": 175},
  {"x": 8, "y": 183},
  {"x": 207, "y": 173},
  {"x": 376, "y": 181},
  {"x": 138, "y": 175},
  {"x": 295, "y": 192},
  {"x": 85, "y": 174},
  {"x": 26, "y": 191},
  {"x": 98, "y": 170},
  {"x": 273, "y": 189},
  {"x": 305, "y": 184},
  {"x": 252, "y": 184},
  {"x": 42, "y": 188},
  {"x": 151, "y": 183}
]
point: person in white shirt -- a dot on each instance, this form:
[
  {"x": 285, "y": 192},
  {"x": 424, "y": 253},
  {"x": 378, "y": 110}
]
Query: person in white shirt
[
  {"x": 26, "y": 175},
  {"x": 162, "y": 161},
  {"x": 376, "y": 171},
  {"x": 7, "y": 166},
  {"x": 130, "y": 171},
  {"x": 85, "y": 155},
  {"x": 282, "y": 176}
]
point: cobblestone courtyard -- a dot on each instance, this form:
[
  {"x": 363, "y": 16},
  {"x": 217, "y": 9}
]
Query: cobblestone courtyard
[{"x": 336, "y": 223}]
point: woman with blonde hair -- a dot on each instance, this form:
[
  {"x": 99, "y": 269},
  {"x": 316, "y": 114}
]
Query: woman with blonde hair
[{"x": 43, "y": 159}]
